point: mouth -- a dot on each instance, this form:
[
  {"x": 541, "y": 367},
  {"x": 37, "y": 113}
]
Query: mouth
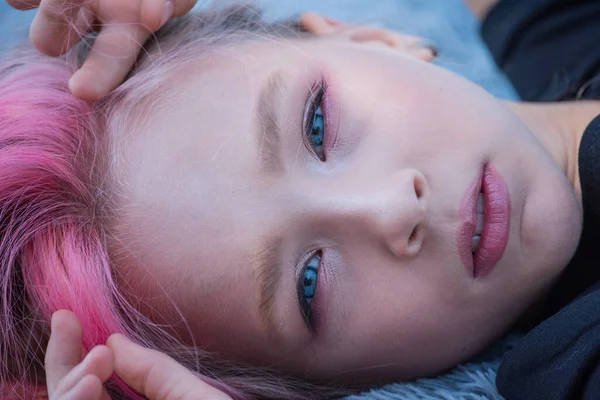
[
  {"x": 483, "y": 231},
  {"x": 476, "y": 239}
]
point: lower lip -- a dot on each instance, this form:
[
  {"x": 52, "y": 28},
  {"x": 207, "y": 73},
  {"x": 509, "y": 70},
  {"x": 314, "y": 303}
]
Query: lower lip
[{"x": 494, "y": 236}]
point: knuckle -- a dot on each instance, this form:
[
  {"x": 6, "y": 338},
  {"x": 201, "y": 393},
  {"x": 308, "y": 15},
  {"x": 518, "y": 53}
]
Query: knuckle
[{"x": 149, "y": 379}]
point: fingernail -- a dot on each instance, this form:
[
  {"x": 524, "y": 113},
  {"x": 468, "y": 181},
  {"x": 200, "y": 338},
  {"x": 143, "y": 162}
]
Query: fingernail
[
  {"x": 167, "y": 12},
  {"x": 118, "y": 336},
  {"x": 424, "y": 44},
  {"x": 123, "y": 337},
  {"x": 73, "y": 85},
  {"x": 434, "y": 49},
  {"x": 53, "y": 321}
]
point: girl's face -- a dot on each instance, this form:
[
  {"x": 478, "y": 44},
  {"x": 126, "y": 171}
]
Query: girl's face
[{"x": 311, "y": 206}]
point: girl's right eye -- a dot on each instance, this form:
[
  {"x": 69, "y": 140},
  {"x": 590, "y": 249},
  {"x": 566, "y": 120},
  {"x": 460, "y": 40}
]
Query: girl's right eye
[{"x": 307, "y": 288}]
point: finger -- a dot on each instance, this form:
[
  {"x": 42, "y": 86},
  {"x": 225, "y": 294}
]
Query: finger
[
  {"x": 154, "y": 374},
  {"x": 105, "y": 395},
  {"x": 317, "y": 24},
  {"x": 99, "y": 362},
  {"x": 386, "y": 36},
  {"x": 183, "y": 7},
  {"x": 112, "y": 55},
  {"x": 155, "y": 13},
  {"x": 64, "y": 348},
  {"x": 58, "y": 25},
  {"x": 89, "y": 387},
  {"x": 24, "y": 4}
]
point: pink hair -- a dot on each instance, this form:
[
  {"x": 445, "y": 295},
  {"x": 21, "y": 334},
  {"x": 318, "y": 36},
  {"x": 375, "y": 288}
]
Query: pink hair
[
  {"x": 52, "y": 252},
  {"x": 56, "y": 197}
]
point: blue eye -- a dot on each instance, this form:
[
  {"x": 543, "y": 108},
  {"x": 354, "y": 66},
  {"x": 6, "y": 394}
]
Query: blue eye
[
  {"x": 307, "y": 288},
  {"x": 317, "y": 133},
  {"x": 315, "y": 123}
]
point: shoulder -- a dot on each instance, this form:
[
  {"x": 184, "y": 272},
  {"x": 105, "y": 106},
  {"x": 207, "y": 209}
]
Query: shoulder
[
  {"x": 556, "y": 360},
  {"x": 547, "y": 48}
]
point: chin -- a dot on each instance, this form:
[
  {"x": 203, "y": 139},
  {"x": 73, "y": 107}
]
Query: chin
[{"x": 551, "y": 230}]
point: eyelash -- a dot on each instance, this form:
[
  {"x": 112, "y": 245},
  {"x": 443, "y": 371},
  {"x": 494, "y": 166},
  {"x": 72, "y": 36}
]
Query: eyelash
[
  {"x": 316, "y": 98},
  {"x": 308, "y": 310}
]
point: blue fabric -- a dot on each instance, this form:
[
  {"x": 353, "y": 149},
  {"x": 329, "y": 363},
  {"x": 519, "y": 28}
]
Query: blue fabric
[
  {"x": 446, "y": 23},
  {"x": 14, "y": 25}
]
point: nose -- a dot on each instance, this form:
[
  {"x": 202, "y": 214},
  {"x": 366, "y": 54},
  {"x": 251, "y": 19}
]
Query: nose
[
  {"x": 390, "y": 210},
  {"x": 397, "y": 213}
]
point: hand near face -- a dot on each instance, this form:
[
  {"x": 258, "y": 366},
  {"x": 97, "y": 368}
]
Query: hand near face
[
  {"x": 70, "y": 376},
  {"x": 324, "y": 26},
  {"x": 123, "y": 28}
]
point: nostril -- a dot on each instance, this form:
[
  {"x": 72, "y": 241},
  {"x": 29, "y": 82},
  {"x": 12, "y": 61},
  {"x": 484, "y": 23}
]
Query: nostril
[
  {"x": 413, "y": 235},
  {"x": 415, "y": 241},
  {"x": 419, "y": 186}
]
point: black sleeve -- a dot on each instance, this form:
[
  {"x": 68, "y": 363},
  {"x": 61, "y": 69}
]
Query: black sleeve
[
  {"x": 560, "y": 358},
  {"x": 549, "y": 49}
]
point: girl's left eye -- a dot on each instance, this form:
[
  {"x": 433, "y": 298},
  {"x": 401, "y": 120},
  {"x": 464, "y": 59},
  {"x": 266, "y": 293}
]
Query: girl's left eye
[
  {"x": 317, "y": 133},
  {"x": 315, "y": 123}
]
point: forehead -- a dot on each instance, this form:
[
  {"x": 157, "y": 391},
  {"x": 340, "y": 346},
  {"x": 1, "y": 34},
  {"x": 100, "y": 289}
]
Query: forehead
[
  {"x": 189, "y": 172},
  {"x": 204, "y": 135},
  {"x": 210, "y": 112}
]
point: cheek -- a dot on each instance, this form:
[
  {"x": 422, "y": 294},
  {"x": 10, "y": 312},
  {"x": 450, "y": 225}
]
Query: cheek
[
  {"x": 395, "y": 315},
  {"x": 551, "y": 224},
  {"x": 419, "y": 318},
  {"x": 417, "y": 108},
  {"x": 208, "y": 304}
]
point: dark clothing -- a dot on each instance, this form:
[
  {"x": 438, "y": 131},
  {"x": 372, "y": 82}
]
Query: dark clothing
[
  {"x": 550, "y": 50},
  {"x": 560, "y": 358}
]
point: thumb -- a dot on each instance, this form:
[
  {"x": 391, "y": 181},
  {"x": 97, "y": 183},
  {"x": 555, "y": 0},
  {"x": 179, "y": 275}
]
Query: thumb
[{"x": 156, "y": 375}]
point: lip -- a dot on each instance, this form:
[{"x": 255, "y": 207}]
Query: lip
[{"x": 494, "y": 236}]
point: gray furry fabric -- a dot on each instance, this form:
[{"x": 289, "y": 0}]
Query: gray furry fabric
[{"x": 474, "y": 380}]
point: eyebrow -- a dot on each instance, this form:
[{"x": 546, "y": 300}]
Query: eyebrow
[
  {"x": 266, "y": 266},
  {"x": 266, "y": 263},
  {"x": 268, "y": 138}
]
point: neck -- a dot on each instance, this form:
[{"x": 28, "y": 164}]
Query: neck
[{"x": 559, "y": 127}]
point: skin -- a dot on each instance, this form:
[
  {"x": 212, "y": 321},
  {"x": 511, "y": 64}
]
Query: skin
[
  {"x": 410, "y": 138},
  {"x": 480, "y": 8}
]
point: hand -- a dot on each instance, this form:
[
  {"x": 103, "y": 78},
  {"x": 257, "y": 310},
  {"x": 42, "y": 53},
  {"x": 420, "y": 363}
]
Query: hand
[
  {"x": 157, "y": 376},
  {"x": 70, "y": 376},
  {"x": 324, "y": 26},
  {"x": 124, "y": 25}
]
